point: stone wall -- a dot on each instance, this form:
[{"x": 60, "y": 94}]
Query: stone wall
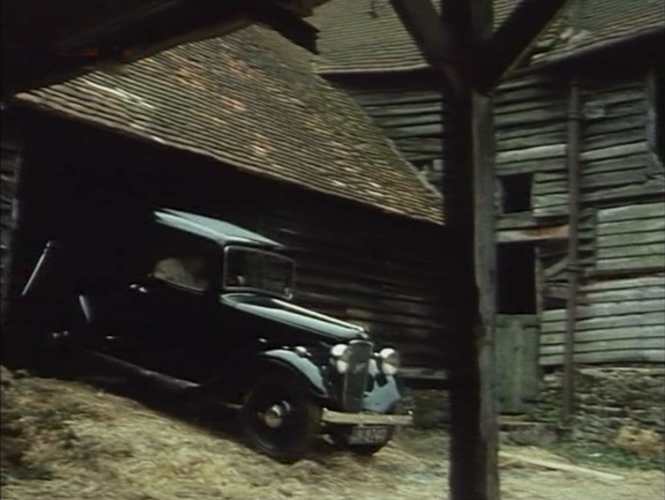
[{"x": 617, "y": 405}]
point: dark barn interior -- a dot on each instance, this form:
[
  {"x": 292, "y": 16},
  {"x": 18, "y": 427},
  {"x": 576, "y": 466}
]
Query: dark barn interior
[{"x": 353, "y": 262}]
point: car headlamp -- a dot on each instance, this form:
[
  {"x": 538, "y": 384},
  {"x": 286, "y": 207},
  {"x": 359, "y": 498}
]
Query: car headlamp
[
  {"x": 340, "y": 354},
  {"x": 389, "y": 361}
]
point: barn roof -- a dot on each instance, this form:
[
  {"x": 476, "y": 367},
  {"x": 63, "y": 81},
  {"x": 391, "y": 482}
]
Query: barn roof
[
  {"x": 368, "y": 36},
  {"x": 250, "y": 100}
]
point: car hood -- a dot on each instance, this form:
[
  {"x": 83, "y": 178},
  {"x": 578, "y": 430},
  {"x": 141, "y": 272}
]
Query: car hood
[{"x": 286, "y": 313}]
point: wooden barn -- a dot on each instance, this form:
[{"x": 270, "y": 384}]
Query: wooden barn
[
  {"x": 580, "y": 188},
  {"x": 241, "y": 128}
]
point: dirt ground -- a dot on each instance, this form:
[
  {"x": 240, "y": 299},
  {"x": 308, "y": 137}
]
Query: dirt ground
[{"x": 75, "y": 441}]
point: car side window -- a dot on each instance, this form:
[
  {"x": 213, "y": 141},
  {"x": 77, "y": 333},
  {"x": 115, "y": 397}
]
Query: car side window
[{"x": 187, "y": 271}]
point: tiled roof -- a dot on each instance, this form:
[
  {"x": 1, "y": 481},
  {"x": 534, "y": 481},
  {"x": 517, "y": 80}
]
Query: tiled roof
[
  {"x": 250, "y": 100},
  {"x": 368, "y": 36}
]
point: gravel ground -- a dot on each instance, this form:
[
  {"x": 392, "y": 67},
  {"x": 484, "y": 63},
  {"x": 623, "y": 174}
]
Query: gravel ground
[{"x": 69, "y": 440}]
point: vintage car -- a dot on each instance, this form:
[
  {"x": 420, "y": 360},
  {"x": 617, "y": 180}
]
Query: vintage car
[{"x": 209, "y": 303}]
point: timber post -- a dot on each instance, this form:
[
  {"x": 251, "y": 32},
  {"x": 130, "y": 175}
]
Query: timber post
[{"x": 471, "y": 58}]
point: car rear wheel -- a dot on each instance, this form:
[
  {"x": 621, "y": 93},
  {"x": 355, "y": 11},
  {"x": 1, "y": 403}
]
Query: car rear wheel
[{"x": 279, "y": 419}]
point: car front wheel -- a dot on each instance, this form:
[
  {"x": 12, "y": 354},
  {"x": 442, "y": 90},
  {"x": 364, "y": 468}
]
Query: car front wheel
[{"x": 279, "y": 419}]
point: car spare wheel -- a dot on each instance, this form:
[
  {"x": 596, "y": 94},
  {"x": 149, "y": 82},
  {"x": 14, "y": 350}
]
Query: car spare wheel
[{"x": 279, "y": 419}]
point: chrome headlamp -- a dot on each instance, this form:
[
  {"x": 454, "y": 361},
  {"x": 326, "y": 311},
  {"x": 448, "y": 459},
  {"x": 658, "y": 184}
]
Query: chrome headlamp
[
  {"x": 388, "y": 359},
  {"x": 340, "y": 354}
]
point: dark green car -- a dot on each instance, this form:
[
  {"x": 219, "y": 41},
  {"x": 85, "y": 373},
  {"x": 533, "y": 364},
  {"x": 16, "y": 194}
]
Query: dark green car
[{"x": 208, "y": 303}]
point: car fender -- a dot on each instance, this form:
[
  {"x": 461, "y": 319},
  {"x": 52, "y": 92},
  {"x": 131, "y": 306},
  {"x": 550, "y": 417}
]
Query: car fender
[{"x": 298, "y": 365}]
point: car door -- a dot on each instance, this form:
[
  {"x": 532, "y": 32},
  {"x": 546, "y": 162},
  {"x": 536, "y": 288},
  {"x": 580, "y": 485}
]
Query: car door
[{"x": 179, "y": 310}]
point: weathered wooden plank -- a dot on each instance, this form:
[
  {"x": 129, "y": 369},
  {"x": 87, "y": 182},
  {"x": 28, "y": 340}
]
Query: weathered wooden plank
[
  {"x": 608, "y": 309},
  {"x": 654, "y": 280},
  {"x": 539, "y": 202},
  {"x": 630, "y": 251},
  {"x": 383, "y": 99},
  {"x": 418, "y": 131},
  {"x": 631, "y": 212},
  {"x": 632, "y": 226},
  {"x": 638, "y": 292},
  {"x": 652, "y": 187},
  {"x": 614, "y": 111},
  {"x": 527, "y": 167},
  {"x": 634, "y": 95},
  {"x": 609, "y": 334},
  {"x": 636, "y": 343},
  {"x": 540, "y": 152},
  {"x": 630, "y": 239},
  {"x": 610, "y": 139},
  {"x": 632, "y": 162},
  {"x": 551, "y": 211},
  {"x": 530, "y": 141},
  {"x": 525, "y": 81},
  {"x": 614, "y": 151},
  {"x": 536, "y": 129},
  {"x": 540, "y": 115},
  {"x": 613, "y": 124},
  {"x": 533, "y": 234},
  {"x": 515, "y": 106},
  {"x": 619, "y": 356},
  {"x": 410, "y": 110},
  {"x": 516, "y": 221},
  {"x": 640, "y": 320},
  {"x": 632, "y": 263}
]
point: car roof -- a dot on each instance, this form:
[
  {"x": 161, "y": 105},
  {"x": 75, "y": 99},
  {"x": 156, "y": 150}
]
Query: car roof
[{"x": 217, "y": 230}]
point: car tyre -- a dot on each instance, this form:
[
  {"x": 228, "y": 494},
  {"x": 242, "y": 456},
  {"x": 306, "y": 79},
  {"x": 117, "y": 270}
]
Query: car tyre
[{"x": 285, "y": 437}]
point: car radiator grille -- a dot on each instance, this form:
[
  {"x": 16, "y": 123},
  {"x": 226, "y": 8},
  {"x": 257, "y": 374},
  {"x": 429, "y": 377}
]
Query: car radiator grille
[{"x": 355, "y": 379}]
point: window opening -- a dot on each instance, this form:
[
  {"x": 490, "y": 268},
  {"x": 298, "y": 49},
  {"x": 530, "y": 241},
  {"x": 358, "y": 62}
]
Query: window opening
[{"x": 515, "y": 193}]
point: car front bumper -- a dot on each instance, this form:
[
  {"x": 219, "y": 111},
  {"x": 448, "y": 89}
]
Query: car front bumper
[{"x": 338, "y": 417}]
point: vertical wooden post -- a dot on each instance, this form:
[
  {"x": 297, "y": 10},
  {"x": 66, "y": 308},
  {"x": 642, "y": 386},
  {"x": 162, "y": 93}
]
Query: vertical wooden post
[
  {"x": 568, "y": 393},
  {"x": 470, "y": 215}
]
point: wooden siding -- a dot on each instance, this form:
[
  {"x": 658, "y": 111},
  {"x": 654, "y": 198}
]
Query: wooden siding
[
  {"x": 530, "y": 120},
  {"x": 630, "y": 239},
  {"x": 369, "y": 273},
  {"x": 622, "y": 320},
  {"x": 411, "y": 112},
  {"x": 621, "y": 228},
  {"x": 10, "y": 166}
]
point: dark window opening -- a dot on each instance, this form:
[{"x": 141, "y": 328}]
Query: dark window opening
[
  {"x": 515, "y": 193},
  {"x": 516, "y": 279}
]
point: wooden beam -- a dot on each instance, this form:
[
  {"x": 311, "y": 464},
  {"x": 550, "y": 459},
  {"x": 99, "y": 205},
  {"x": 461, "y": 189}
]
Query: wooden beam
[
  {"x": 469, "y": 188},
  {"x": 505, "y": 48},
  {"x": 533, "y": 234},
  {"x": 440, "y": 47}
]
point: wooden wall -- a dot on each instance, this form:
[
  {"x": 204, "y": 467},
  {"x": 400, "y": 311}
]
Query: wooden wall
[
  {"x": 10, "y": 168},
  {"x": 410, "y": 109},
  {"x": 621, "y": 313}
]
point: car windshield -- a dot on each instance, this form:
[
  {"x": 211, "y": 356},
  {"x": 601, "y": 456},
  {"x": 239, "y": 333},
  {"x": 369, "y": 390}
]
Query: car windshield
[{"x": 248, "y": 268}]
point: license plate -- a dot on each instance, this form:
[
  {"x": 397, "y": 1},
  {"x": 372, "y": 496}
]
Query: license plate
[{"x": 369, "y": 435}]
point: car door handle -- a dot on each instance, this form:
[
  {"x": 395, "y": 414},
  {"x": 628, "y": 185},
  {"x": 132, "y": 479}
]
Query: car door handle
[{"x": 138, "y": 288}]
